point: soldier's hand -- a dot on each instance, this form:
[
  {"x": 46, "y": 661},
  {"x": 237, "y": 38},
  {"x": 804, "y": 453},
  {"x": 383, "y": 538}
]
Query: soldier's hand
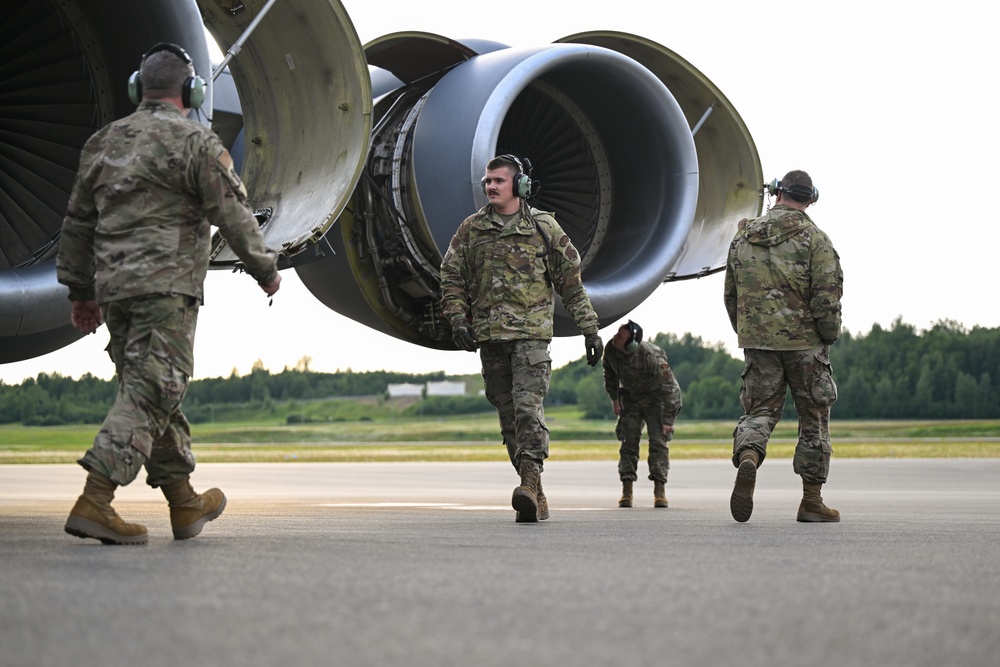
[
  {"x": 273, "y": 286},
  {"x": 461, "y": 334},
  {"x": 595, "y": 348},
  {"x": 86, "y": 316}
]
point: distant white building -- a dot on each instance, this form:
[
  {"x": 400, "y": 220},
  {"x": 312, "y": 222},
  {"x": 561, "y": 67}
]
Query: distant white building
[
  {"x": 405, "y": 389},
  {"x": 445, "y": 388}
]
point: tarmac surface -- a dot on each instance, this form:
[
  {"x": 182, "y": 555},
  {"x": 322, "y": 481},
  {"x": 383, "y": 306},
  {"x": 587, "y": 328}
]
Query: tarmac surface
[{"x": 422, "y": 564}]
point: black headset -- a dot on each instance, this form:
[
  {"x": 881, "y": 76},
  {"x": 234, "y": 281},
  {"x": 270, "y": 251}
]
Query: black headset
[
  {"x": 192, "y": 90},
  {"x": 634, "y": 336},
  {"x": 521, "y": 183},
  {"x": 800, "y": 193}
]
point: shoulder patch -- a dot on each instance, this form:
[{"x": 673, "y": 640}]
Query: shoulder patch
[{"x": 226, "y": 160}]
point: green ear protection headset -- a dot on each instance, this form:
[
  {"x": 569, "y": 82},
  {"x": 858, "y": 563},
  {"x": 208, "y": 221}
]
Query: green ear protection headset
[
  {"x": 522, "y": 178},
  {"x": 192, "y": 90}
]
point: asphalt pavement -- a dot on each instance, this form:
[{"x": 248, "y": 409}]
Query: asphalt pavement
[{"x": 422, "y": 564}]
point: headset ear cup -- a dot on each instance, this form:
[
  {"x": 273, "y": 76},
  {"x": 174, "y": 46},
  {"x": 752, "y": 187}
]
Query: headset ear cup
[
  {"x": 634, "y": 336},
  {"x": 523, "y": 185},
  {"x": 135, "y": 88},
  {"x": 194, "y": 91}
]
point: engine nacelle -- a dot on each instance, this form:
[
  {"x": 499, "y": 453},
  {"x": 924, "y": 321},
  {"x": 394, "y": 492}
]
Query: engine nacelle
[{"x": 643, "y": 199}]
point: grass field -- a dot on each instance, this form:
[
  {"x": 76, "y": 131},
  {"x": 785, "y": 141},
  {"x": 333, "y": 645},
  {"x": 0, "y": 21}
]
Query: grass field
[{"x": 476, "y": 438}]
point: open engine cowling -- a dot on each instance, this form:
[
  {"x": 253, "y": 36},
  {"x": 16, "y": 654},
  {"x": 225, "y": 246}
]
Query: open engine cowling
[
  {"x": 65, "y": 71},
  {"x": 362, "y": 161},
  {"x": 306, "y": 110}
]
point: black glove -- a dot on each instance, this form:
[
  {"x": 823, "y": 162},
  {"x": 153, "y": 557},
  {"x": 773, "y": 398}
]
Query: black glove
[
  {"x": 595, "y": 348},
  {"x": 462, "y": 337}
]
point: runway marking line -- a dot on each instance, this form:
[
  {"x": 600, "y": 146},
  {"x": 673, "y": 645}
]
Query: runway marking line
[{"x": 454, "y": 506}]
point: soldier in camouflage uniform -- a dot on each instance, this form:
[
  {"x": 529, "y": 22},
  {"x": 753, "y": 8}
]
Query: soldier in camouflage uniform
[
  {"x": 782, "y": 291},
  {"x": 134, "y": 252},
  {"x": 643, "y": 390},
  {"x": 497, "y": 283}
]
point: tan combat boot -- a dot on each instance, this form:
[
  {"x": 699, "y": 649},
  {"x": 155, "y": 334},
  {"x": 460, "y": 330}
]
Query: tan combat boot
[
  {"x": 543, "y": 503},
  {"x": 93, "y": 516},
  {"x": 741, "y": 502},
  {"x": 525, "y": 496},
  {"x": 659, "y": 494},
  {"x": 190, "y": 511},
  {"x": 626, "y": 499},
  {"x": 812, "y": 508}
]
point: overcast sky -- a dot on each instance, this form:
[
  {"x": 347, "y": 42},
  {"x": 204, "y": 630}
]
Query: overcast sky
[{"x": 891, "y": 108}]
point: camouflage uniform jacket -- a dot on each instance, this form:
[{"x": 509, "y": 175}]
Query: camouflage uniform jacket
[
  {"x": 632, "y": 377},
  {"x": 138, "y": 219},
  {"x": 783, "y": 283},
  {"x": 504, "y": 275}
]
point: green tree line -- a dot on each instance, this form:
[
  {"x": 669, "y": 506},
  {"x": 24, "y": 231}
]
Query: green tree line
[{"x": 945, "y": 372}]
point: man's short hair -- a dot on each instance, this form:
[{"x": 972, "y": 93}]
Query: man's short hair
[
  {"x": 797, "y": 177},
  {"x": 503, "y": 161},
  {"x": 163, "y": 75}
]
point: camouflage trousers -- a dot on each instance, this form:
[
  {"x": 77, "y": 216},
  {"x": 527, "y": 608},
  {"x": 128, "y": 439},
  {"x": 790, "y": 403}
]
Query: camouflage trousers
[
  {"x": 516, "y": 375},
  {"x": 809, "y": 376},
  {"x": 632, "y": 416},
  {"x": 152, "y": 347}
]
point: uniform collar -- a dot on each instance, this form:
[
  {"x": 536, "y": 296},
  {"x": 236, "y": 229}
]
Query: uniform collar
[
  {"x": 522, "y": 224},
  {"x": 158, "y": 105}
]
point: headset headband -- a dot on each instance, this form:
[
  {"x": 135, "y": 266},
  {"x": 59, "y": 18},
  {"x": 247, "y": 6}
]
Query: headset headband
[
  {"x": 800, "y": 193},
  {"x": 172, "y": 48},
  {"x": 513, "y": 159}
]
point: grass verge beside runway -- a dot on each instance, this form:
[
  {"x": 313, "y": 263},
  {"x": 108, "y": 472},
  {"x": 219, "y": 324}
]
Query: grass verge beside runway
[
  {"x": 559, "y": 451},
  {"x": 476, "y": 438}
]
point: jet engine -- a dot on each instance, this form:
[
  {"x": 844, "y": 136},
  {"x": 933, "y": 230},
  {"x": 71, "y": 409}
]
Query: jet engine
[
  {"x": 360, "y": 162},
  {"x": 645, "y": 163}
]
